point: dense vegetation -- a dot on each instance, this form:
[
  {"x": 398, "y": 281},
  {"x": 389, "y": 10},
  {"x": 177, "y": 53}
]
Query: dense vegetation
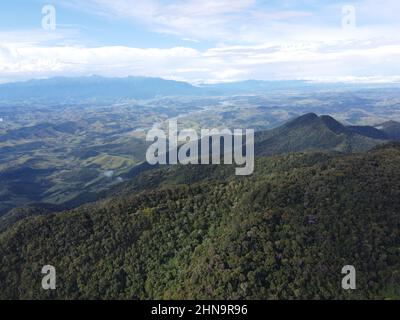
[
  {"x": 201, "y": 232},
  {"x": 312, "y": 133},
  {"x": 69, "y": 163}
]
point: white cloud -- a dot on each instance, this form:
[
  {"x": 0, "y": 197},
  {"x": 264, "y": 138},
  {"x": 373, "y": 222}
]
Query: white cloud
[
  {"x": 248, "y": 41},
  {"x": 320, "y": 60},
  {"x": 31, "y": 37},
  {"x": 210, "y": 20},
  {"x": 109, "y": 173},
  {"x": 249, "y": 21}
]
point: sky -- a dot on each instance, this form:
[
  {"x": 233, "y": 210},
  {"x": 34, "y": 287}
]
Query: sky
[{"x": 201, "y": 41}]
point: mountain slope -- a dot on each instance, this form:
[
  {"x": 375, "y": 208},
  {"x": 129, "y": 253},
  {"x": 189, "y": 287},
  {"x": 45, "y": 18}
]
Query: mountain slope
[
  {"x": 304, "y": 134},
  {"x": 391, "y": 128},
  {"x": 312, "y": 133},
  {"x": 17, "y": 214},
  {"x": 284, "y": 232}
]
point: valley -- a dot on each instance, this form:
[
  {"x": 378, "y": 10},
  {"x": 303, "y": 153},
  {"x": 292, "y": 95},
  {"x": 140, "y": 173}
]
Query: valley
[
  {"x": 66, "y": 154},
  {"x": 77, "y": 193}
]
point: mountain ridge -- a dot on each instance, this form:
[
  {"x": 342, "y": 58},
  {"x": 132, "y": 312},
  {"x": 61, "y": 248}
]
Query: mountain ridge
[
  {"x": 307, "y": 133},
  {"x": 311, "y": 132},
  {"x": 283, "y": 233}
]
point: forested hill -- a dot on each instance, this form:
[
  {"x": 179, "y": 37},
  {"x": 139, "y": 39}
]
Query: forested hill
[
  {"x": 41, "y": 183},
  {"x": 319, "y": 133},
  {"x": 284, "y": 232}
]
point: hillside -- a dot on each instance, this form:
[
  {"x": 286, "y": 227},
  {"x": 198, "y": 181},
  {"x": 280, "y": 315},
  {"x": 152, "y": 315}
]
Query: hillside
[
  {"x": 86, "y": 181},
  {"x": 317, "y": 133},
  {"x": 17, "y": 214},
  {"x": 40, "y": 131},
  {"x": 283, "y": 233},
  {"x": 391, "y": 128}
]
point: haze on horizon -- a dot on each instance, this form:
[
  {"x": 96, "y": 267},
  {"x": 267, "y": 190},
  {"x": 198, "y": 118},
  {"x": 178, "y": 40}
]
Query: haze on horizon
[{"x": 202, "y": 41}]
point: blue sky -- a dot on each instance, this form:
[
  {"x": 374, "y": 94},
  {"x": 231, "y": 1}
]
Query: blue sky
[{"x": 203, "y": 40}]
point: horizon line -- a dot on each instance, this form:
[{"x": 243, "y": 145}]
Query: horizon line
[{"x": 367, "y": 80}]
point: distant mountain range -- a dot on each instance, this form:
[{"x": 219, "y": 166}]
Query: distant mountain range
[
  {"x": 101, "y": 89},
  {"x": 94, "y": 88}
]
